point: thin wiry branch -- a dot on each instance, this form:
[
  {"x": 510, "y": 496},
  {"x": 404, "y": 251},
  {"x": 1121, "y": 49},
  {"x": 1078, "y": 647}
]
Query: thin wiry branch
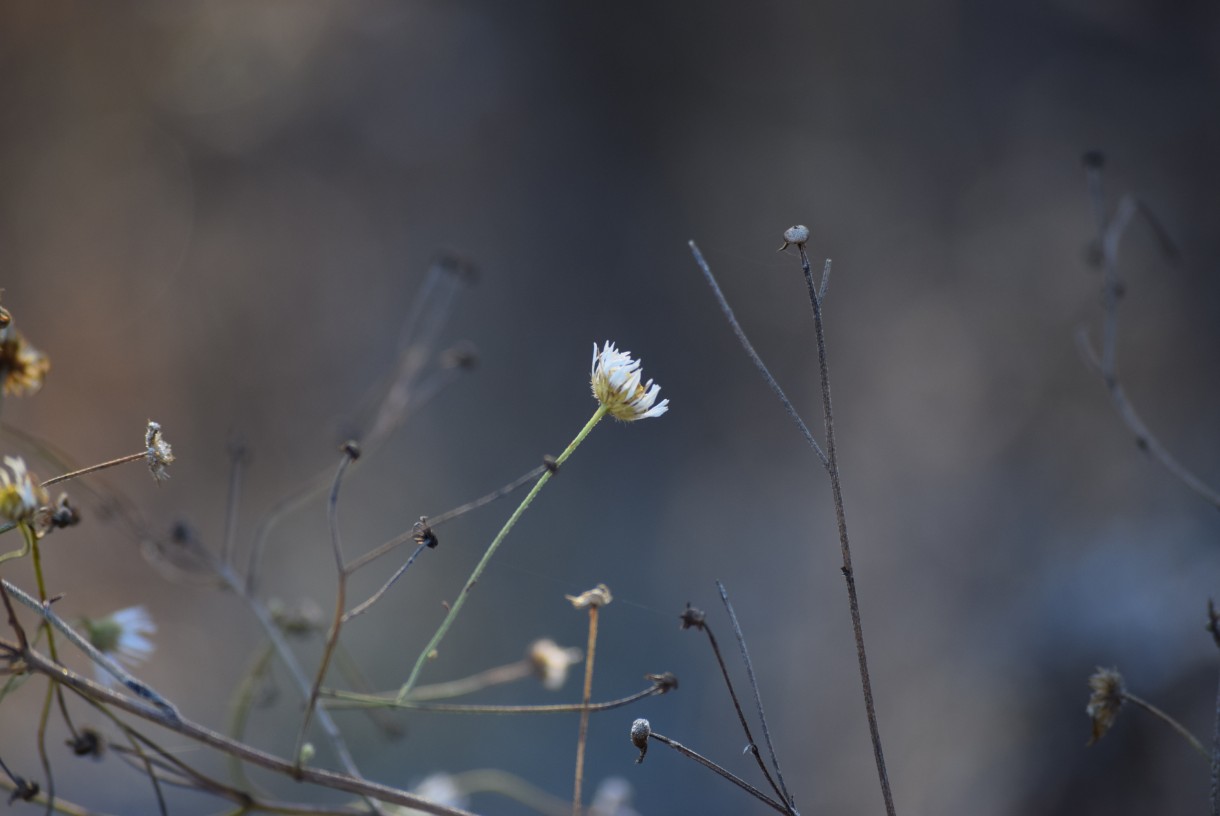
[
  {"x": 758, "y": 363},
  {"x": 1110, "y": 232},
  {"x": 350, "y": 454},
  {"x": 39, "y": 663},
  {"x": 695, "y": 618},
  {"x": 710, "y": 765},
  {"x": 407, "y": 388},
  {"x": 346, "y": 699},
  {"x": 762, "y": 716},
  {"x": 836, "y": 488}
]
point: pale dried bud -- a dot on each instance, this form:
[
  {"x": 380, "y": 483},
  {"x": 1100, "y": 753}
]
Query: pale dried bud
[
  {"x": 598, "y": 596},
  {"x": 640, "y": 729},
  {"x": 552, "y": 661},
  {"x": 798, "y": 235}
]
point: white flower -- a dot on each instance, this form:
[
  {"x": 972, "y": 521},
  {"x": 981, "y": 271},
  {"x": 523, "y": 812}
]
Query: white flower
[
  {"x": 613, "y": 798},
  {"x": 122, "y": 636},
  {"x": 159, "y": 452},
  {"x": 551, "y": 662},
  {"x": 440, "y": 788},
  {"x": 616, "y": 384},
  {"x": 20, "y": 495}
]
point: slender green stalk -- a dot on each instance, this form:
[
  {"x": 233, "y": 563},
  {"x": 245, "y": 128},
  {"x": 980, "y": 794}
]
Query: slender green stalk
[{"x": 456, "y": 607}]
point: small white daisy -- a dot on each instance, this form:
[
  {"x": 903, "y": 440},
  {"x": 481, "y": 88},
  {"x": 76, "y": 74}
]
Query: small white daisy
[
  {"x": 159, "y": 452},
  {"x": 615, "y": 377},
  {"x": 20, "y": 495},
  {"x": 123, "y": 636},
  {"x": 440, "y": 788}
]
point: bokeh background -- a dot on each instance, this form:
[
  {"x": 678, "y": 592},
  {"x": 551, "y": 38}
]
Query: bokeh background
[{"x": 218, "y": 214}]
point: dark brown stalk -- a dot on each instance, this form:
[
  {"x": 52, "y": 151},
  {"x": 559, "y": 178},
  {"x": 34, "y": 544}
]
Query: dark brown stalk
[{"x": 836, "y": 489}]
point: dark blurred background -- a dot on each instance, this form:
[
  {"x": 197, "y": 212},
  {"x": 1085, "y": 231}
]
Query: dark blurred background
[{"x": 217, "y": 215}]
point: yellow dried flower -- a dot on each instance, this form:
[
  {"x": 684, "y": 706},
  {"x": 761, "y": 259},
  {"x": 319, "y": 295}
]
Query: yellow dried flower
[{"x": 22, "y": 367}]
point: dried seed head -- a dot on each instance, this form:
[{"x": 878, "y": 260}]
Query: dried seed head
[
  {"x": 598, "y": 596},
  {"x": 797, "y": 235},
  {"x": 665, "y": 681},
  {"x": 640, "y": 729},
  {"x": 88, "y": 743},
  {"x": 423, "y": 534},
  {"x": 692, "y": 617},
  {"x": 23, "y": 368},
  {"x": 158, "y": 452},
  {"x": 552, "y": 661},
  {"x": 1105, "y": 701}
]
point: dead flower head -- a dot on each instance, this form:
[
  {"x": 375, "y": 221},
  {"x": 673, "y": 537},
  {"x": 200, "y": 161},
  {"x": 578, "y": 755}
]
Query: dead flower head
[
  {"x": 22, "y": 367},
  {"x": 552, "y": 661},
  {"x": 598, "y": 596},
  {"x": 158, "y": 452},
  {"x": 1105, "y": 701}
]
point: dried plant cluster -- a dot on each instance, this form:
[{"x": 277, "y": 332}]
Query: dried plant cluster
[{"x": 114, "y": 715}]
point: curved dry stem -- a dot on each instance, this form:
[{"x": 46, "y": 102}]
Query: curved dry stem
[{"x": 39, "y": 663}]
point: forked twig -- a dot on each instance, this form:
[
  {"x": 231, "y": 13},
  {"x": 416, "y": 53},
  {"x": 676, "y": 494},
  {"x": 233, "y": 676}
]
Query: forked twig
[
  {"x": 836, "y": 489},
  {"x": 762, "y": 716},
  {"x": 693, "y": 618},
  {"x": 351, "y": 452},
  {"x": 753, "y": 355},
  {"x": 1110, "y": 232},
  {"x": 39, "y": 663}
]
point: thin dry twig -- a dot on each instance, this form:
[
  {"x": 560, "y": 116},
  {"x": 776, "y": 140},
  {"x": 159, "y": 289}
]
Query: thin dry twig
[
  {"x": 39, "y": 663},
  {"x": 351, "y": 452},
  {"x": 694, "y": 618},
  {"x": 836, "y": 488},
  {"x": 1110, "y": 232},
  {"x": 661, "y": 684},
  {"x": 753, "y": 355},
  {"x": 710, "y": 765},
  {"x": 762, "y": 716}
]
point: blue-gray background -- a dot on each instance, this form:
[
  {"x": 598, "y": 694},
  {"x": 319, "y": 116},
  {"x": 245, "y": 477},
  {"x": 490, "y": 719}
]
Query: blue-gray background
[{"x": 217, "y": 215}]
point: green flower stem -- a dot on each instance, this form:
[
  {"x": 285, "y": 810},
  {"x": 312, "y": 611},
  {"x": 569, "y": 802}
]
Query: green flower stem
[
  {"x": 31, "y": 542},
  {"x": 491, "y": 549}
]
